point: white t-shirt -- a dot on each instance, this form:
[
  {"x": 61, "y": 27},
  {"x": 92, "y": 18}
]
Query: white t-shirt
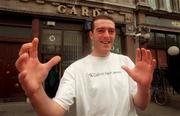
[{"x": 99, "y": 85}]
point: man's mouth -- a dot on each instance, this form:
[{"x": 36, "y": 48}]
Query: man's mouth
[{"x": 105, "y": 42}]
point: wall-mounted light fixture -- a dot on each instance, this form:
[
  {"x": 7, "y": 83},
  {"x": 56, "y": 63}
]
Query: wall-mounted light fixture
[
  {"x": 173, "y": 50},
  {"x": 51, "y": 23}
]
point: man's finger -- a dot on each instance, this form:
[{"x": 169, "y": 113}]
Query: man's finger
[
  {"x": 53, "y": 61},
  {"x": 21, "y": 76},
  {"x": 20, "y": 62},
  {"x": 144, "y": 55},
  {"x": 25, "y": 48},
  {"x": 153, "y": 64},
  {"x": 138, "y": 55},
  {"x": 149, "y": 56},
  {"x": 34, "y": 50}
]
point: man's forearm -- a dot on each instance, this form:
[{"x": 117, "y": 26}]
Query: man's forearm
[
  {"x": 142, "y": 97},
  {"x": 45, "y": 106}
]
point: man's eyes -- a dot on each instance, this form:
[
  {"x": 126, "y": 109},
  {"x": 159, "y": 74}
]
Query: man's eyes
[{"x": 103, "y": 30}]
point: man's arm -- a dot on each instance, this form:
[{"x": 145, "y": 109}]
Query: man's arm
[
  {"x": 142, "y": 73},
  {"x": 142, "y": 98},
  {"x": 45, "y": 106},
  {"x": 32, "y": 74}
]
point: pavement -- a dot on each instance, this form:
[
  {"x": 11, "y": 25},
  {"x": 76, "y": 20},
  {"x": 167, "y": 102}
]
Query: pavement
[
  {"x": 25, "y": 109},
  {"x": 16, "y": 109}
]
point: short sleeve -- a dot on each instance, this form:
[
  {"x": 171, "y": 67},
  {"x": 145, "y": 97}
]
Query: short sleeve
[
  {"x": 132, "y": 83},
  {"x": 66, "y": 91}
]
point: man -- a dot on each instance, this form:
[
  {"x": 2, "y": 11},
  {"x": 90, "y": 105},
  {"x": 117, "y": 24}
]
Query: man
[{"x": 103, "y": 83}]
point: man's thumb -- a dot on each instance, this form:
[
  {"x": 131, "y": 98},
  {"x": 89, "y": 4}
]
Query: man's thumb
[
  {"x": 126, "y": 69},
  {"x": 53, "y": 61}
]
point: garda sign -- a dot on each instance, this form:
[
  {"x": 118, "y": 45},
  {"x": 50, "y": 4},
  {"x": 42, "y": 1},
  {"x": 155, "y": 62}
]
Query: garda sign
[
  {"x": 83, "y": 11},
  {"x": 86, "y": 11}
]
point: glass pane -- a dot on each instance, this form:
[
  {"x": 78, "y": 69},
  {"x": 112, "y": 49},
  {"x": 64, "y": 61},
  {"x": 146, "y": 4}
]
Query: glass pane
[
  {"x": 114, "y": 1},
  {"x": 151, "y": 41},
  {"x": 168, "y": 5},
  {"x": 179, "y": 5},
  {"x": 72, "y": 47},
  {"x": 160, "y": 40},
  {"x": 161, "y": 4},
  {"x": 175, "y": 5},
  {"x": 117, "y": 43},
  {"x": 18, "y": 32},
  {"x": 162, "y": 58},
  {"x": 178, "y": 38},
  {"x": 171, "y": 40},
  {"x": 51, "y": 41},
  {"x": 152, "y": 4}
]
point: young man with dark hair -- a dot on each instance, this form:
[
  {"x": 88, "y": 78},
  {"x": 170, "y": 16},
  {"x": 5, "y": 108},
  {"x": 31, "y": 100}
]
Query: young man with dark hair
[{"x": 102, "y": 83}]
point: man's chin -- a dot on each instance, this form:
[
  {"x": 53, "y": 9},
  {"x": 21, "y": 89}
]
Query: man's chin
[{"x": 106, "y": 51}]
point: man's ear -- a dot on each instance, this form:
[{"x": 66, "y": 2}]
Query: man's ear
[{"x": 91, "y": 35}]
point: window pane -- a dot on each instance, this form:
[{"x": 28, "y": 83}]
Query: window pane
[
  {"x": 152, "y": 4},
  {"x": 171, "y": 40},
  {"x": 179, "y": 5},
  {"x": 168, "y": 5},
  {"x": 160, "y": 40},
  {"x": 115, "y": 1},
  {"x": 72, "y": 47},
  {"x": 162, "y": 4},
  {"x": 178, "y": 39},
  {"x": 18, "y": 32},
  {"x": 117, "y": 43},
  {"x": 151, "y": 41},
  {"x": 51, "y": 41}
]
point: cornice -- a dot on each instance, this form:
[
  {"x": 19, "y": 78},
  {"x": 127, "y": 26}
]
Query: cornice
[
  {"x": 129, "y": 8},
  {"x": 147, "y": 10}
]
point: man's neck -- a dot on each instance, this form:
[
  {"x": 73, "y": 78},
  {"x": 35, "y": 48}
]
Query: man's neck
[{"x": 93, "y": 53}]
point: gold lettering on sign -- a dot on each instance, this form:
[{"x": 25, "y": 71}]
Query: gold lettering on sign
[
  {"x": 61, "y": 9},
  {"x": 96, "y": 12},
  {"x": 85, "y": 11},
  {"x": 73, "y": 11},
  {"x": 175, "y": 23}
]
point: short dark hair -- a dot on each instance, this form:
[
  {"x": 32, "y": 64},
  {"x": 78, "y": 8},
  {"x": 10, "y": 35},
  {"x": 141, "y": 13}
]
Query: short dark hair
[{"x": 106, "y": 17}]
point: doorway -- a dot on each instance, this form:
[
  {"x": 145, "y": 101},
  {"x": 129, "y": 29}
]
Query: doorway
[
  {"x": 65, "y": 40},
  {"x": 10, "y": 88}
]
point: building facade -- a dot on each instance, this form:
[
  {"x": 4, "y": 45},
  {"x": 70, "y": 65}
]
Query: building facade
[
  {"x": 62, "y": 27},
  {"x": 162, "y": 19}
]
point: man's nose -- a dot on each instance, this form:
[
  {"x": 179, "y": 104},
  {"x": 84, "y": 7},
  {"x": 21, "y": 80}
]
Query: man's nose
[{"x": 106, "y": 33}]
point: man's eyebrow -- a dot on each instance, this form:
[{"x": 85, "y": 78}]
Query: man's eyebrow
[{"x": 105, "y": 28}]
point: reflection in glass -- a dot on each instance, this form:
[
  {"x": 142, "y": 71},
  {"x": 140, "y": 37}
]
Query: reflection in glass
[
  {"x": 171, "y": 40},
  {"x": 160, "y": 40}
]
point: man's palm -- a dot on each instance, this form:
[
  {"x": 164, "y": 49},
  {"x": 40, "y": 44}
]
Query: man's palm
[
  {"x": 32, "y": 71},
  {"x": 142, "y": 73}
]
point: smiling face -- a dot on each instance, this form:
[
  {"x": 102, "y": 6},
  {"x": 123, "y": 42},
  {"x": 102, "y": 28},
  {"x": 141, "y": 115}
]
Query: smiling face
[{"x": 102, "y": 37}]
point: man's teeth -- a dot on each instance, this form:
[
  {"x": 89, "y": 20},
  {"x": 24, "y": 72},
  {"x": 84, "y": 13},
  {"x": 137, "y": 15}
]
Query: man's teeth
[{"x": 105, "y": 42}]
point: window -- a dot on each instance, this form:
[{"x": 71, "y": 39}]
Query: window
[
  {"x": 51, "y": 41},
  {"x": 151, "y": 41},
  {"x": 160, "y": 40},
  {"x": 153, "y": 4},
  {"x": 171, "y": 40},
  {"x": 160, "y": 4},
  {"x": 117, "y": 43},
  {"x": 114, "y": 1},
  {"x": 18, "y": 32},
  {"x": 168, "y": 5},
  {"x": 72, "y": 46},
  {"x": 175, "y": 4},
  {"x": 178, "y": 39}
]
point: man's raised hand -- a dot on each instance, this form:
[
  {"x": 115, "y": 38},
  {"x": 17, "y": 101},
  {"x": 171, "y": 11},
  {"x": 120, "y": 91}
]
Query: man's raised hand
[{"x": 31, "y": 71}]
